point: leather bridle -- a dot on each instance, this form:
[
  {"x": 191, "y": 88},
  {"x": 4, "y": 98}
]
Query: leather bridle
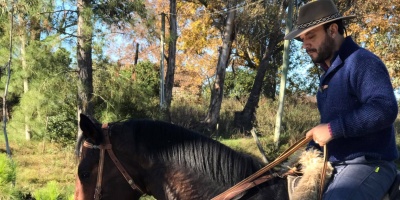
[{"x": 103, "y": 147}]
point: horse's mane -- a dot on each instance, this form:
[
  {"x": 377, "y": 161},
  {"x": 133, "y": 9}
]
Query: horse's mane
[{"x": 177, "y": 145}]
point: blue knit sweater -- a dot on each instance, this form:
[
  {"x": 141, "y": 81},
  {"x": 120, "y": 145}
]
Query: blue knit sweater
[{"x": 356, "y": 97}]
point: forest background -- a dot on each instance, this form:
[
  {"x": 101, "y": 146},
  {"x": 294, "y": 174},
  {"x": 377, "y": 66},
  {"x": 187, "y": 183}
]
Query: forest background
[{"x": 223, "y": 64}]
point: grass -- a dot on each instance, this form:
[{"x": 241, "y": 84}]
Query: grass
[{"x": 39, "y": 163}]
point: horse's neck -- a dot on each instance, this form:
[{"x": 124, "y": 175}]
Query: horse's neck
[
  {"x": 174, "y": 182},
  {"x": 178, "y": 183}
]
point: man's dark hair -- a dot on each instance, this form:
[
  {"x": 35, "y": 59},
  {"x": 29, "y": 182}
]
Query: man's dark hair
[{"x": 341, "y": 28}]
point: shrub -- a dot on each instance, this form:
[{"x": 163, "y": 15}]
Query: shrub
[
  {"x": 7, "y": 178},
  {"x": 50, "y": 192}
]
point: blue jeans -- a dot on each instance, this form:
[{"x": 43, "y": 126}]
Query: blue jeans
[{"x": 361, "y": 179}]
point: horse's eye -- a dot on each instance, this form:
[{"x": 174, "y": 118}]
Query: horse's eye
[{"x": 84, "y": 175}]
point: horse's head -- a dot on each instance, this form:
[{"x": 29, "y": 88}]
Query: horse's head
[{"x": 98, "y": 175}]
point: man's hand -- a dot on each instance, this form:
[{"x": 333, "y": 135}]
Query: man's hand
[{"x": 320, "y": 134}]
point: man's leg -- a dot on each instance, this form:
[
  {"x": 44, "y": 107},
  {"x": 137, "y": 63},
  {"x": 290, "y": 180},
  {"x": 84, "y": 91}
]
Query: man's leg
[{"x": 359, "y": 179}]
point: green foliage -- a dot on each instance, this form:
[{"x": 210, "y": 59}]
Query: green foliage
[
  {"x": 7, "y": 170},
  {"x": 48, "y": 106},
  {"x": 62, "y": 126},
  {"x": 51, "y": 191},
  {"x": 116, "y": 11},
  {"x": 7, "y": 178},
  {"x": 238, "y": 83},
  {"x": 147, "y": 78},
  {"x": 119, "y": 96}
]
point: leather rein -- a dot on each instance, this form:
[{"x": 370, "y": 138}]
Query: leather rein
[
  {"x": 256, "y": 178},
  {"x": 103, "y": 147}
]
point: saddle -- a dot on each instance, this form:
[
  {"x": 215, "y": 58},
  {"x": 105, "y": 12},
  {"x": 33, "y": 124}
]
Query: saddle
[
  {"x": 392, "y": 194},
  {"x": 296, "y": 188},
  {"x": 394, "y": 191}
]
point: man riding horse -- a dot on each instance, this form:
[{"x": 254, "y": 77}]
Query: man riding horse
[{"x": 356, "y": 102}]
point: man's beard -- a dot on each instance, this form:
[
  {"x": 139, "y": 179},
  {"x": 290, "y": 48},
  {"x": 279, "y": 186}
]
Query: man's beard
[{"x": 324, "y": 51}]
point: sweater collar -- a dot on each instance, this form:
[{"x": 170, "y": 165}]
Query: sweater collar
[{"x": 346, "y": 49}]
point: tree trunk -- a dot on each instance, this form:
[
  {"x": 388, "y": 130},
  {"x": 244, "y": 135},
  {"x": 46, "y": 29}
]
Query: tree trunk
[
  {"x": 285, "y": 68},
  {"x": 244, "y": 119},
  {"x": 84, "y": 58},
  {"x": 8, "y": 77},
  {"x": 136, "y": 58},
  {"x": 23, "y": 40},
  {"x": 169, "y": 78},
  {"x": 162, "y": 55},
  {"x": 269, "y": 84},
  {"x": 217, "y": 91}
]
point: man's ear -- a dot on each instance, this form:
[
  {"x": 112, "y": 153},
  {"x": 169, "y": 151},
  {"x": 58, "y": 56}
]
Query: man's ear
[{"x": 333, "y": 30}]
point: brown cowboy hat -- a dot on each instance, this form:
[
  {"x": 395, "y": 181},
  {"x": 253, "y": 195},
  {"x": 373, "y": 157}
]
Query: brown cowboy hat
[{"x": 314, "y": 14}]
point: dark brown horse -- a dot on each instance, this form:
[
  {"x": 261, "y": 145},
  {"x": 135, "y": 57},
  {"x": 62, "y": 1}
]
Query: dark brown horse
[{"x": 165, "y": 161}]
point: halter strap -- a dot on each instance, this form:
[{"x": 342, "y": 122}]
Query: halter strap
[
  {"x": 97, "y": 194},
  {"x": 103, "y": 147}
]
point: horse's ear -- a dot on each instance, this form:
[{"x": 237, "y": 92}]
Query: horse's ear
[{"x": 89, "y": 128}]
